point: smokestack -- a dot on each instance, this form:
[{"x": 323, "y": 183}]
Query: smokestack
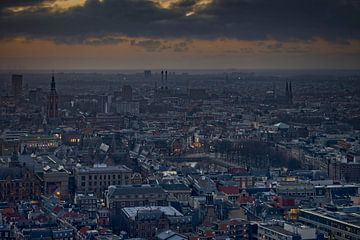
[
  {"x": 162, "y": 79},
  {"x": 166, "y": 82}
]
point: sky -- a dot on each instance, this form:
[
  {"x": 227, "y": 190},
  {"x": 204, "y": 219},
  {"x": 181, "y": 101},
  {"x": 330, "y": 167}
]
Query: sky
[{"x": 179, "y": 34}]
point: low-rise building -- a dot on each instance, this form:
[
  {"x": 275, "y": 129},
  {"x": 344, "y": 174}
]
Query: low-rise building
[{"x": 98, "y": 178}]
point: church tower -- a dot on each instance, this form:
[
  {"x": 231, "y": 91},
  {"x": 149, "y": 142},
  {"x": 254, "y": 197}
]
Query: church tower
[
  {"x": 290, "y": 94},
  {"x": 53, "y": 100}
]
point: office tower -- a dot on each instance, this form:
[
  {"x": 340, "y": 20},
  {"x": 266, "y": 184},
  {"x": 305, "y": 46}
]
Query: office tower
[
  {"x": 16, "y": 84},
  {"x": 127, "y": 92}
]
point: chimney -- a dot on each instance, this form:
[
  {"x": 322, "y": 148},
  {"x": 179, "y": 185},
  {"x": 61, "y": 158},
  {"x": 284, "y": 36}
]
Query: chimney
[
  {"x": 162, "y": 79},
  {"x": 166, "y": 82}
]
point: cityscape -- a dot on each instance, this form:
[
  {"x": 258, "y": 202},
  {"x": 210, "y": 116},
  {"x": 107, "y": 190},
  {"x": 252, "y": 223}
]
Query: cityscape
[{"x": 179, "y": 120}]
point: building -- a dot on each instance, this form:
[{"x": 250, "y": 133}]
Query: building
[
  {"x": 98, "y": 178},
  {"x": 296, "y": 190},
  {"x": 36, "y": 142},
  {"x": 118, "y": 197},
  {"x": 87, "y": 203},
  {"x": 337, "y": 224},
  {"x": 18, "y": 184},
  {"x": 233, "y": 228},
  {"x": 53, "y": 101},
  {"x": 275, "y": 232},
  {"x": 56, "y": 181},
  {"x": 348, "y": 171},
  {"x": 131, "y": 107},
  {"x": 7, "y": 233},
  {"x": 147, "y": 222},
  {"x": 16, "y": 84},
  {"x": 127, "y": 92},
  {"x": 147, "y": 74},
  {"x": 178, "y": 191}
]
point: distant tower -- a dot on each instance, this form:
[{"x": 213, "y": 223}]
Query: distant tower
[
  {"x": 16, "y": 84},
  {"x": 166, "y": 82},
  {"x": 287, "y": 90},
  {"x": 127, "y": 92},
  {"x": 53, "y": 101},
  {"x": 162, "y": 79},
  {"x": 147, "y": 74},
  {"x": 290, "y": 94}
]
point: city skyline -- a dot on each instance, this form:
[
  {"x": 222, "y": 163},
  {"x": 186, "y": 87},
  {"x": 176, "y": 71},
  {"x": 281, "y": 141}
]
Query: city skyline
[{"x": 179, "y": 34}]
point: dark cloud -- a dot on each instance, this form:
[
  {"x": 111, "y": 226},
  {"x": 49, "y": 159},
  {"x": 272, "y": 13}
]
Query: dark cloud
[{"x": 284, "y": 20}]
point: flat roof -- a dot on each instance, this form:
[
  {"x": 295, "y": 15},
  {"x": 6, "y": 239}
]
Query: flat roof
[
  {"x": 103, "y": 169},
  {"x": 131, "y": 212}
]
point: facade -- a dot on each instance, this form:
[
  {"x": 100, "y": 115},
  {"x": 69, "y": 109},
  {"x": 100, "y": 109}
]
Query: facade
[
  {"x": 98, "y": 178},
  {"x": 16, "y": 83},
  {"x": 6, "y": 233},
  {"x": 350, "y": 172},
  {"x": 127, "y": 107},
  {"x": 147, "y": 222},
  {"x": 127, "y": 92},
  {"x": 333, "y": 224},
  {"x": 275, "y": 232},
  {"x": 18, "y": 184},
  {"x": 178, "y": 191},
  {"x": 118, "y": 197},
  {"x": 234, "y": 228},
  {"x": 296, "y": 190},
  {"x": 87, "y": 203},
  {"x": 32, "y": 142},
  {"x": 56, "y": 182}
]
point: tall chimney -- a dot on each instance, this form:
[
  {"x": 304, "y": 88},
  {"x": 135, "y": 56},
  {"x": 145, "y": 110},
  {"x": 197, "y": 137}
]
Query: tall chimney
[
  {"x": 166, "y": 82},
  {"x": 162, "y": 79}
]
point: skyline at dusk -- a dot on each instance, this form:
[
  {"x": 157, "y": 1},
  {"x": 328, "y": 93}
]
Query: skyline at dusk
[{"x": 179, "y": 34}]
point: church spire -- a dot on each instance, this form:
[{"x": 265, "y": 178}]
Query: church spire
[{"x": 53, "y": 85}]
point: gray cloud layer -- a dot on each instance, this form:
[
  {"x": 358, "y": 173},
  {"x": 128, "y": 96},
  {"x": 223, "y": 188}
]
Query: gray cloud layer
[{"x": 335, "y": 20}]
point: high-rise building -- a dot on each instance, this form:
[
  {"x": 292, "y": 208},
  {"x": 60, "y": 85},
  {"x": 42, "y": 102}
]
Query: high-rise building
[
  {"x": 53, "y": 101},
  {"x": 16, "y": 84},
  {"x": 127, "y": 92},
  {"x": 147, "y": 74}
]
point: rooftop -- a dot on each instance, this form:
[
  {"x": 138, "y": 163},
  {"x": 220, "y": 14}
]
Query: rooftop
[
  {"x": 132, "y": 212},
  {"x": 104, "y": 169}
]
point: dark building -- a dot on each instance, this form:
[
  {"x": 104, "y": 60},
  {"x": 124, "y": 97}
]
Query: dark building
[
  {"x": 118, "y": 197},
  {"x": 341, "y": 224},
  {"x": 16, "y": 84},
  {"x": 147, "y": 74},
  {"x": 289, "y": 93},
  {"x": 127, "y": 92},
  {"x": 350, "y": 172},
  {"x": 17, "y": 183},
  {"x": 147, "y": 222},
  {"x": 7, "y": 233},
  {"x": 53, "y": 101}
]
